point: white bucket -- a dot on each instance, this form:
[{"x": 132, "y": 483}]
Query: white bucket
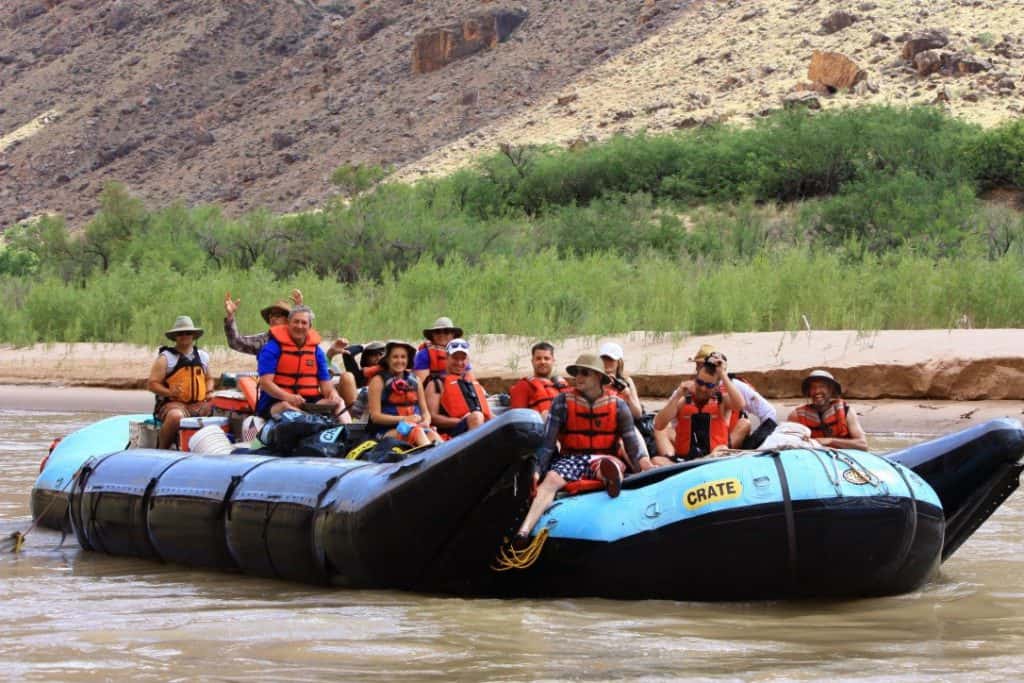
[{"x": 210, "y": 440}]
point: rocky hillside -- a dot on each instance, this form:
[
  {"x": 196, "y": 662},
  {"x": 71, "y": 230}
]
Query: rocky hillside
[{"x": 253, "y": 103}]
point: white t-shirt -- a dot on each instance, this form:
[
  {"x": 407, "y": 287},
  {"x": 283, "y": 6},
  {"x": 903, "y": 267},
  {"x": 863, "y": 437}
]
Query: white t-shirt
[
  {"x": 757, "y": 405},
  {"x": 172, "y": 359}
]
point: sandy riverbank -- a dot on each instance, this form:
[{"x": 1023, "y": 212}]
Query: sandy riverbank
[{"x": 957, "y": 365}]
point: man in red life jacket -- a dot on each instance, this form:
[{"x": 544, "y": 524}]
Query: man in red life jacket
[
  {"x": 456, "y": 401},
  {"x": 537, "y": 392},
  {"x": 588, "y": 424},
  {"x": 293, "y": 368},
  {"x": 702, "y": 409},
  {"x": 832, "y": 421},
  {"x": 181, "y": 379}
]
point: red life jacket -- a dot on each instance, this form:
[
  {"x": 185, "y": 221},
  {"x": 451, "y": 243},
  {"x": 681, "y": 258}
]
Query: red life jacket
[
  {"x": 832, "y": 422},
  {"x": 296, "y": 368},
  {"x": 461, "y": 395},
  {"x": 700, "y": 430},
  {"x": 371, "y": 372},
  {"x": 541, "y": 391},
  {"x": 590, "y": 428},
  {"x": 402, "y": 399},
  {"x": 438, "y": 358}
]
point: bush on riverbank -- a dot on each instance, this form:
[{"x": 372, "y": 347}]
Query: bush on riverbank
[{"x": 717, "y": 229}]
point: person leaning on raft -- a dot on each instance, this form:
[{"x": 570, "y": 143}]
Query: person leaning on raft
[
  {"x": 274, "y": 314},
  {"x": 181, "y": 379},
  {"x": 587, "y": 424},
  {"x": 293, "y": 368},
  {"x": 456, "y": 401},
  {"x": 832, "y": 421},
  {"x": 702, "y": 410},
  {"x": 537, "y": 392}
]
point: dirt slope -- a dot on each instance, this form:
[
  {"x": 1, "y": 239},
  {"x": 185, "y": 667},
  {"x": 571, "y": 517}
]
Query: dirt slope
[{"x": 254, "y": 102}]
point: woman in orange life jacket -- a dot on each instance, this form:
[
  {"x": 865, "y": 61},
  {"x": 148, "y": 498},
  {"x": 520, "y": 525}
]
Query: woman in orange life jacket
[
  {"x": 702, "y": 409},
  {"x": 832, "y": 421},
  {"x": 537, "y": 392},
  {"x": 587, "y": 423},
  {"x": 456, "y": 400},
  {"x": 181, "y": 379},
  {"x": 431, "y": 356},
  {"x": 397, "y": 405}
]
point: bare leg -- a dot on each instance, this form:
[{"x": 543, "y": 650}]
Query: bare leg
[
  {"x": 739, "y": 433},
  {"x": 552, "y": 484},
  {"x": 663, "y": 442},
  {"x": 347, "y": 388},
  {"x": 169, "y": 429}
]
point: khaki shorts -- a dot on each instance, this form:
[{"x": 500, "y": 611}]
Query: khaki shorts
[{"x": 197, "y": 409}]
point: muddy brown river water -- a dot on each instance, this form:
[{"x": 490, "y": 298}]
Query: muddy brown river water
[{"x": 69, "y": 615}]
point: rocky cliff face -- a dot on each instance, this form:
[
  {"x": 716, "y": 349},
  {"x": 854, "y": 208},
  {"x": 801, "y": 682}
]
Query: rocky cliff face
[{"x": 254, "y": 102}]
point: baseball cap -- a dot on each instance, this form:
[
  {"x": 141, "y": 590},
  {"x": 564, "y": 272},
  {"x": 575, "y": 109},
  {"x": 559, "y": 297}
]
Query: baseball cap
[
  {"x": 611, "y": 349},
  {"x": 457, "y": 346},
  {"x": 703, "y": 352}
]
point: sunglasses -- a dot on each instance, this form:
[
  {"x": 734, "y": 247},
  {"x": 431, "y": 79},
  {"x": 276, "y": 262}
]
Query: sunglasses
[{"x": 706, "y": 385}]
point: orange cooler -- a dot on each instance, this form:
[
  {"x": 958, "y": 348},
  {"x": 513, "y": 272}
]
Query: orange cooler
[{"x": 191, "y": 425}]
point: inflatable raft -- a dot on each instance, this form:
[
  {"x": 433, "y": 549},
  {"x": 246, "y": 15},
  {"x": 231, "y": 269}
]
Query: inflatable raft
[{"x": 796, "y": 523}]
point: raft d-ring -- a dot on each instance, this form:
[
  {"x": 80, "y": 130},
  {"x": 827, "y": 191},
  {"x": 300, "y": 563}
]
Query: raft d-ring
[{"x": 652, "y": 511}]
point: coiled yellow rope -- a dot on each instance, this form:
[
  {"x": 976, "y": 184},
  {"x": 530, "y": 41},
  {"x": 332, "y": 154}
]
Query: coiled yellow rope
[{"x": 512, "y": 558}]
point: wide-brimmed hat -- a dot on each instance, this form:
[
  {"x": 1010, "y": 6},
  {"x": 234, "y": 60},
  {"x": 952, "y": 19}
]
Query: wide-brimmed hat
[
  {"x": 375, "y": 347},
  {"x": 282, "y": 304},
  {"x": 183, "y": 323},
  {"x": 589, "y": 361},
  {"x": 820, "y": 374},
  {"x": 612, "y": 350},
  {"x": 392, "y": 343},
  {"x": 703, "y": 352},
  {"x": 442, "y": 324}
]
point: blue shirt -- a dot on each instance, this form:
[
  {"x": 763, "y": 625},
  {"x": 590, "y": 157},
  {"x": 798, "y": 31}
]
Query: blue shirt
[{"x": 266, "y": 364}]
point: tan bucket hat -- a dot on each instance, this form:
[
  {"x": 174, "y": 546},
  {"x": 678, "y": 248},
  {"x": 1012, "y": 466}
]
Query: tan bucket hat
[
  {"x": 589, "y": 361},
  {"x": 820, "y": 374},
  {"x": 442, "y": 324},
  {"x": 283, "y": 304},
  {"x": 183, "y": 323},
  {"x": 392, "y": 343},
  {"x": 703, "y": 352}
]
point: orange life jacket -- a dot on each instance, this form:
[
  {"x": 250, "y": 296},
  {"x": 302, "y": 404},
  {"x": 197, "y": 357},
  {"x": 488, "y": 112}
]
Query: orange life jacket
[
  {"x": 832, "y": 422},
  {"x": 438, "y": 358},
  {"x": 371, "y": 372},
  {"x": 543, "y": 390},
  {"x": 461, "y": 395},
  {"x": 187, "y": 377},
  {"x": 697, "y": 435},
  {"x": 590, "y": 428},
  {"x": 400, "y": 395},
  {"x": 296, "y": 368}
]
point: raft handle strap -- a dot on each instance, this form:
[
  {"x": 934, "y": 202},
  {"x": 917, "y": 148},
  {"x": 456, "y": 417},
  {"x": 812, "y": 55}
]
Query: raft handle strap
[{"x": 787, "y": 502}]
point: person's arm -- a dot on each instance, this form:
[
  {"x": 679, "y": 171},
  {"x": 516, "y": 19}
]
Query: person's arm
[
  {"x": 434, "y": 407},
  {"x": 632, "y": 399},
  {"x": 211, "y": 383},
  {"x": 266, "y": 363},
  {"x": 323, "y": 375},
  {"x": 857, "y": 438},
  {"x": 421, "y": 397},
  {"x": 669, "y": 411},
  {"x": 549, "y": 442},
  {"x": 421, "y": 366},
  {"x": 732, "y": 393},
  {"x": 157, "y": 376},
  {"x": 630, "y": 438},
  {"x": 337, "y": 346}
]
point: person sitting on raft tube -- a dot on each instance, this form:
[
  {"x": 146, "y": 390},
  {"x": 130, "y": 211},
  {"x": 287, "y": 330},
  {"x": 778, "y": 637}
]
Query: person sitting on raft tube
[
  {"x": 398, "y": 406},
  {"x": 702, "y": 410},
  {"x": 456, "y": 400},
  {"x": 293, "y": 368},
  {"x": 587, "y": 424},
  {"x": 181, "y": 379},
  {"x": 369, "y": 365},
  {"x": 537, "y": 392},
  {"x": 274, "y": 314},
  {"x": 755, "y": 404},
  {"x": 832, "y": 421},
  {"x": 431, "y": 357}
]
